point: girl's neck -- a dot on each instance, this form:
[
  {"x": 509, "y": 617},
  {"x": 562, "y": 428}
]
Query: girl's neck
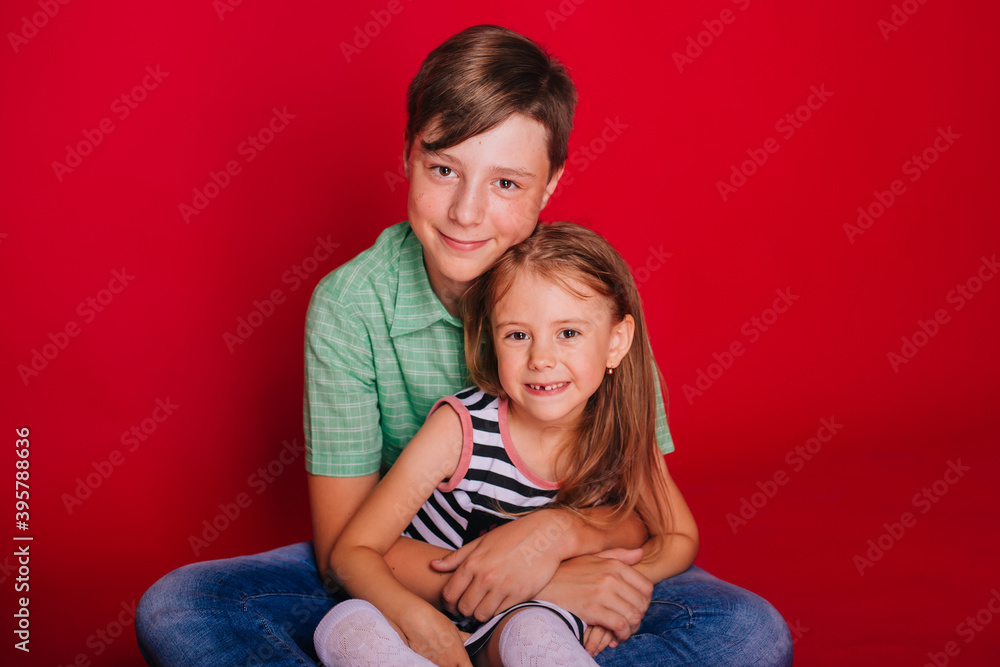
[{"x": 538, "y": 443}]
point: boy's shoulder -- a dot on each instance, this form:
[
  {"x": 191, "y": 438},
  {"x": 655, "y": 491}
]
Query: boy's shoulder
[{"x": 371, "y": 272}]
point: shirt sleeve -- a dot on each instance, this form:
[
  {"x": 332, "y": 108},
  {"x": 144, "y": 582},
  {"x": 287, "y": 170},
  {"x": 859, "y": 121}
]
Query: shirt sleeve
[
  {"x": 343, "y": 438},
  {"x": 663, "y": 438}
]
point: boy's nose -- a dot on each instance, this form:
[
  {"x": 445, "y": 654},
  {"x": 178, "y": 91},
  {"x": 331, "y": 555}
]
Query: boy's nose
[{"x": 468, "y": 205}]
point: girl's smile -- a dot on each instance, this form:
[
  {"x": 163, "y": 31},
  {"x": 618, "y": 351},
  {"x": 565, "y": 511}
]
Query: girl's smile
[{"x": 554, "y": 342}]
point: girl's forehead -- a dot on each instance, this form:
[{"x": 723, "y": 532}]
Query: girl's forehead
[{"x": 530, "y": 291}]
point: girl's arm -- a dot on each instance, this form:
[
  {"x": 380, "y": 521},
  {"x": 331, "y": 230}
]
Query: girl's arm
[
  {"x": 357, "y": 560},
  {"x": 677, "y": 548}
]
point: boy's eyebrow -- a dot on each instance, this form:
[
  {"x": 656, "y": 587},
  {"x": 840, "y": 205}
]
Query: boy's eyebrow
[
  {"x": 496, "y": 169},
  {"x": 513, "y": 171}
]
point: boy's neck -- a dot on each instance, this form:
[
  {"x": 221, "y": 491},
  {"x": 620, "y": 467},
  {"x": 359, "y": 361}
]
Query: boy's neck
[{"x": 448, "y": 292}]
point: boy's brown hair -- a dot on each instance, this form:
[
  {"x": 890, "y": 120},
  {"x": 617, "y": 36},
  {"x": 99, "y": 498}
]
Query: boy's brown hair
[{"x": 477, "y": 79}]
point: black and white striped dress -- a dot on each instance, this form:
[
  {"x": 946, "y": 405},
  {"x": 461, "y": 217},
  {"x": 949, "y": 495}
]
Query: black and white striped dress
[{"x": 490, "y": 485}]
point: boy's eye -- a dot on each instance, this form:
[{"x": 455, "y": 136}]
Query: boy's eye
[
  {"x": 569, "y": 333},
  {"x": 506, "y": 184},
  {"x": 443, "y": 171}
]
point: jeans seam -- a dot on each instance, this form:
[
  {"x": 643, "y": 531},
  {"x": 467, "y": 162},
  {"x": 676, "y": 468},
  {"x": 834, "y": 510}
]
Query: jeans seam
[
  {"x": 690, "y": 615},
  {"x": 267, "y": 626}
]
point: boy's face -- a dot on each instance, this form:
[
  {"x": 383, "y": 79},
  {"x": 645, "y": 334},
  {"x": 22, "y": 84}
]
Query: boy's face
[{"x": 469, "y": 203}]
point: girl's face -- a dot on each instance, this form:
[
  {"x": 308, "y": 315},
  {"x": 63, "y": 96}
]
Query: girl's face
[{"x": 553, "y": 347}]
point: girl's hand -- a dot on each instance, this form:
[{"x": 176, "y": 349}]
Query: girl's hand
[
  {"x": 507, "y": 566},
  {"x": 596, "y": 639},
  {"x": 436, "y": 638}
]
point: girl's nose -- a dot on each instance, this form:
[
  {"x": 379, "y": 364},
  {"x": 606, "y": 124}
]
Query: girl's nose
[{"x": 542, "y": 356}]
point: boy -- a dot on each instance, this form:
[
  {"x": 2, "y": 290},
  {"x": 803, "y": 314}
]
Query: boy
[{"x": 489, "y": 117}]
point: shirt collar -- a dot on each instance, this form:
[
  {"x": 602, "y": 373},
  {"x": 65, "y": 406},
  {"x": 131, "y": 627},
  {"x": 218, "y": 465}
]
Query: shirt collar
[{"x": 417, "y": 306}]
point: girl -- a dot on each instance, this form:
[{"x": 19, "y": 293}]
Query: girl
[{"x": 562, "y": 415}]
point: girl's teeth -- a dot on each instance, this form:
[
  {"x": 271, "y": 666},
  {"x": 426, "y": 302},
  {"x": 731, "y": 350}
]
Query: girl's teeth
[{"x": 548, "y": 387}]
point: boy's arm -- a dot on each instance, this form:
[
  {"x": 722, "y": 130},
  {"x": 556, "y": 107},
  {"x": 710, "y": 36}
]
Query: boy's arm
[
  {"x": 513, "y": 562},
  {"x": 342, "y": 422}
]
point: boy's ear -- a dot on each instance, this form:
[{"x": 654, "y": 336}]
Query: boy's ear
[
  {"x": 621, "y": 341},
  {"x": 550, "y": 187},
  {"x": 406, "y": 158}
]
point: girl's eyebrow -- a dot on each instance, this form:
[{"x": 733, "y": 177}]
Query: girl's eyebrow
[{"x": 558, "y": 323}]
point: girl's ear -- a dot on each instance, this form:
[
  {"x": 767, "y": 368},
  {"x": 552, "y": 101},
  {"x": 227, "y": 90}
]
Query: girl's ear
[{"x": 621, "y": 341}]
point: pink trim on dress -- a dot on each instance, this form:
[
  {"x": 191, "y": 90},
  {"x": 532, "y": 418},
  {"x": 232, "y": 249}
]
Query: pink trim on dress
[
  {"x": 515, "y": 458},
  {"x": 463, "y": 460}
]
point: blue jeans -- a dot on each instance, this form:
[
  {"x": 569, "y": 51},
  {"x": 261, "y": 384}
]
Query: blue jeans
[{"x": 263, "y": 609}]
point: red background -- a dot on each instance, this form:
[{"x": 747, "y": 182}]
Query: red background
[{"x": 652, "y": 190}]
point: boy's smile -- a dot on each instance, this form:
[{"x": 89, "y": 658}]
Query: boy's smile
[{"x": 470, "y": 202}]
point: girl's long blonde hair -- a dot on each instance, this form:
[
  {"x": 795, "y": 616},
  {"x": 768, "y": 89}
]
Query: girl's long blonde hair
[{"x": 612, "y": 460}]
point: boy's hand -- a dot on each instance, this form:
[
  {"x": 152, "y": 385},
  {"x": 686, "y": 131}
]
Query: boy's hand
[
  {"x": 596, "y": 639},
  {"x": 507, "y": 566},
  {"x": 603, "y": 590},
  {"x": 436, "y": 638}
]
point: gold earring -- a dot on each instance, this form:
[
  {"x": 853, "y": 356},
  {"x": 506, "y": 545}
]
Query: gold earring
[{"x": 611, "y": 370}]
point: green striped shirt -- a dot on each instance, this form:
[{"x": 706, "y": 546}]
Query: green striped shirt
[{"x": 380, "y": 350}]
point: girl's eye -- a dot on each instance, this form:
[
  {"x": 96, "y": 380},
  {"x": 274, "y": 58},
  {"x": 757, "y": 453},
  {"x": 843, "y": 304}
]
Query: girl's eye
[
  {"x": 517, "y": 335},
  {"x": 569, "y": 333},
  {"x": 506, "y": 184}
]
